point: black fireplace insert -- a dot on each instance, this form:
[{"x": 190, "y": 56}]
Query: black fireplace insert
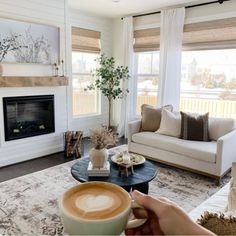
[{"x": 28, "y": 116}]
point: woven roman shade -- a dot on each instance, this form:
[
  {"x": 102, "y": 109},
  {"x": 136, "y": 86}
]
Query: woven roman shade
[
  {"x": 147, "y": 40},
  {"x": 84, "y": 40},
  {"x": 216, "y": 34}
]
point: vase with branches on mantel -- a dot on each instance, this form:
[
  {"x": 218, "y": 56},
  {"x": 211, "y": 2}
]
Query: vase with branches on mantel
[{"x": 108, "y": 78}]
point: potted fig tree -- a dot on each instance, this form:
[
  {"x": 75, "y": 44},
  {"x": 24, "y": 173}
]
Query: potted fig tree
[{"x": 108, "y": 79}]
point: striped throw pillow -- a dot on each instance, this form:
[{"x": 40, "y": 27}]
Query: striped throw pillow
[{"x": 194, "y": 127}]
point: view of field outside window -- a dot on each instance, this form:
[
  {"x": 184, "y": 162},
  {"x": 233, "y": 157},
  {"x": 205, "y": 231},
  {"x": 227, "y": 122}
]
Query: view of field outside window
[
  {"x": 84, "y": 102},
  {"x": 148, "y": 76},
  {"x": 209, "y": 82}
]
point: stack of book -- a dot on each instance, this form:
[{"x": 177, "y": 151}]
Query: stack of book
[{"x": 99, "y": 172}]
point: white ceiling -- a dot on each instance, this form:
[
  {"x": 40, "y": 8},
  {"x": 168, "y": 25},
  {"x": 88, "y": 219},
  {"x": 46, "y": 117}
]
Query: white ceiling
[{"x": 108, "y": 8}]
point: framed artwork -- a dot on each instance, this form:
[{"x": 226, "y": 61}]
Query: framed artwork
[{"x": 24, "y": 42}]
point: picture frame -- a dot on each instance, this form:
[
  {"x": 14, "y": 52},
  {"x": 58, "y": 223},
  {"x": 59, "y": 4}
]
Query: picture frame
[{"x": 26, "y": 42}]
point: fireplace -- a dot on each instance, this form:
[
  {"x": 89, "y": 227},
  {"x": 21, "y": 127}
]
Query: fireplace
[{"x": 28, "y": 116}]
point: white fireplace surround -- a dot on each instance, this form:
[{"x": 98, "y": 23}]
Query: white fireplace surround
[{"x": 32, "y": 147}]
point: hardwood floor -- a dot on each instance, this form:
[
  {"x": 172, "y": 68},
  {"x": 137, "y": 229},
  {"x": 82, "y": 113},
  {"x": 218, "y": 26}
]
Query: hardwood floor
[{"x": 27, "y": 167}]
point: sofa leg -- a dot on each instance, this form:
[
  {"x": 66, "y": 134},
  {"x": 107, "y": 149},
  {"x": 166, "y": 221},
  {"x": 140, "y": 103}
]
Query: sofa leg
[{"x": 218, "y": 181}]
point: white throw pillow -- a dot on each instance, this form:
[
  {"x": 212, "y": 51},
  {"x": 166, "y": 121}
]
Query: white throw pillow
[{"x": 170, "y": 123}]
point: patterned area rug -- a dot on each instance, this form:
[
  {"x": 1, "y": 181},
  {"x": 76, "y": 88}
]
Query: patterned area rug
[{"x": 28, "y": 204}]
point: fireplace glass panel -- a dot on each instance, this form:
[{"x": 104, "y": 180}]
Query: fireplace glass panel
[{"x": 28, "y": 116}]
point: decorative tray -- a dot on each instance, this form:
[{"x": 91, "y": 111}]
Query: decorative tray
[{"x": 136, "y": 159}]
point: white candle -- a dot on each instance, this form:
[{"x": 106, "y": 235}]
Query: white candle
[{"x": 126, "y": 158}]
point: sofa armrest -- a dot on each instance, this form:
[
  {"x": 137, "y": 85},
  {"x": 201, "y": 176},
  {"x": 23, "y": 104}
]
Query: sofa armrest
[
  {"x": 133, "y": 128},
  {"x": 226, "y": 152}
]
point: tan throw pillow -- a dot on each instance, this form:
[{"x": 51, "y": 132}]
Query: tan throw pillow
[
  {"x": 194, "y": 127},
  {"x": 218, "y": 223},
  {"x": 151, "y": 117},
  {"x": 170, "y": 123}
]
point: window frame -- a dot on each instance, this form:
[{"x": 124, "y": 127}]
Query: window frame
[
  {"x": 97, "y": 93},
  {"x": 144, "y": 75}
]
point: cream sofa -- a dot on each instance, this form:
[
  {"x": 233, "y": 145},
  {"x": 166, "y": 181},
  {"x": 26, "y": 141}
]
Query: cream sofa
[{"x": 209, "y": 158}]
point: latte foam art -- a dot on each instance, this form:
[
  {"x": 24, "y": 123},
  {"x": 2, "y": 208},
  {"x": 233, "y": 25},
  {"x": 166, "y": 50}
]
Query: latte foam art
[
  {"x": 95, "y": 201},
  {"x": 91, "y": 203}
]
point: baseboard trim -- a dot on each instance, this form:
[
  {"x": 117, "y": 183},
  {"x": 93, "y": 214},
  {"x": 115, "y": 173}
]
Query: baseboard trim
[{"x": 30, "y": 156}]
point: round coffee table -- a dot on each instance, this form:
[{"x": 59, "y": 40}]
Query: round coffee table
[{"x": 143, "y": 174}]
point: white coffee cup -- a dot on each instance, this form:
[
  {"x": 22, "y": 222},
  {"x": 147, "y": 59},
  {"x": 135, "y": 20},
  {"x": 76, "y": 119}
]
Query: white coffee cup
[{"x": 85, "y": 210}]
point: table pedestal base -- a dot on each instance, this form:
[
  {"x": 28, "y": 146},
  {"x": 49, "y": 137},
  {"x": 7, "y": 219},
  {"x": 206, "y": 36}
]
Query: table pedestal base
[{"x": 143, "y": 188}]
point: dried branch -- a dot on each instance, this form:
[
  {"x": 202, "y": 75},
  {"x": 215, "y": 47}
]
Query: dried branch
[
  {"x": 9, "y": 44},
  {"x": 102, "y": 138},
  {"x": 38, "y": 50}
]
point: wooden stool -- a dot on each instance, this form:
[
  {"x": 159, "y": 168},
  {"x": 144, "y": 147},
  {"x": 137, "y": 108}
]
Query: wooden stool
[
  {"x": 124, "y": 168},
  {"x": 72, "y": 143}
]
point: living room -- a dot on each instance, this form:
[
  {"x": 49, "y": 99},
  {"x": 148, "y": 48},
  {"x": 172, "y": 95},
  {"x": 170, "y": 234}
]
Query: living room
[{"x": 131, "y": 32}]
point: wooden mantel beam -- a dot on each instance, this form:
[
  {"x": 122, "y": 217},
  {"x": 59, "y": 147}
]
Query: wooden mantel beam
[{"x": 33, "y": 81}]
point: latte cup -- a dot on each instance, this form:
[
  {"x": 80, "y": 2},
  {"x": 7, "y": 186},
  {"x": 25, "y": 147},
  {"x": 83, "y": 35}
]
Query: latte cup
[{"x": 97, "y": 208}]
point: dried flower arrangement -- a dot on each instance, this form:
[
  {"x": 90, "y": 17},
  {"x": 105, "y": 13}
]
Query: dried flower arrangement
[{"x": 102, "y": 138}]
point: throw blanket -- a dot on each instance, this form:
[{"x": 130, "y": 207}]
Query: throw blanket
[{"x": 232, "y": 193}]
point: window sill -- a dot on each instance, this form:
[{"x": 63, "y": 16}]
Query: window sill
[{"x": 89, "y": 116}]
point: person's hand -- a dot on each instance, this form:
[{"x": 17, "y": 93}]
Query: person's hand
[{"x": 163, "y": 218}]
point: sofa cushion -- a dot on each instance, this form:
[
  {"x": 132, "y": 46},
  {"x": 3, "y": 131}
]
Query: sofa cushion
[
  {"x": 151, "y": 117},
  {"x": 204, "y": 151},
  {"x": 218, "y": 127},
  {"x": 170, "y": 123},
  {"x": 194, "y": 127}
]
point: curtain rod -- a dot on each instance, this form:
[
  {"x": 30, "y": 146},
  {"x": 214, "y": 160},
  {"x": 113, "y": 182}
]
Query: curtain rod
[{"x": 191, "y": 6}]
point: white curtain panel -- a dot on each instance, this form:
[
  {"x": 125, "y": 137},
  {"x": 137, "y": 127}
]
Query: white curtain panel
[
  {"x": 128, "y": 104},
  {"x": 172, "y": 24}
]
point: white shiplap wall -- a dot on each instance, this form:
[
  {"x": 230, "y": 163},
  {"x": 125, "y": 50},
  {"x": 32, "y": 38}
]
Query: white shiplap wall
[
  {"x": 104, "y": 25},
  {"x": 50, "y": 12}
]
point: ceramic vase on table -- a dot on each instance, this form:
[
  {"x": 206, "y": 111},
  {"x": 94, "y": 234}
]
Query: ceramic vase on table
[{"x": 98, "y": 157}]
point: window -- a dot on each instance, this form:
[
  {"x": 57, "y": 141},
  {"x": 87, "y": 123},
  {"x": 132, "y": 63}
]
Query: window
[
  {"x": 85, "y": 49},
  {"x": 209, "y": 82},
  {"x": 146, "y": 47},
  {"x": 147, "y": 81},
  {"x": 209, "y": 68},
  {"x": 84, "y": 102}
]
